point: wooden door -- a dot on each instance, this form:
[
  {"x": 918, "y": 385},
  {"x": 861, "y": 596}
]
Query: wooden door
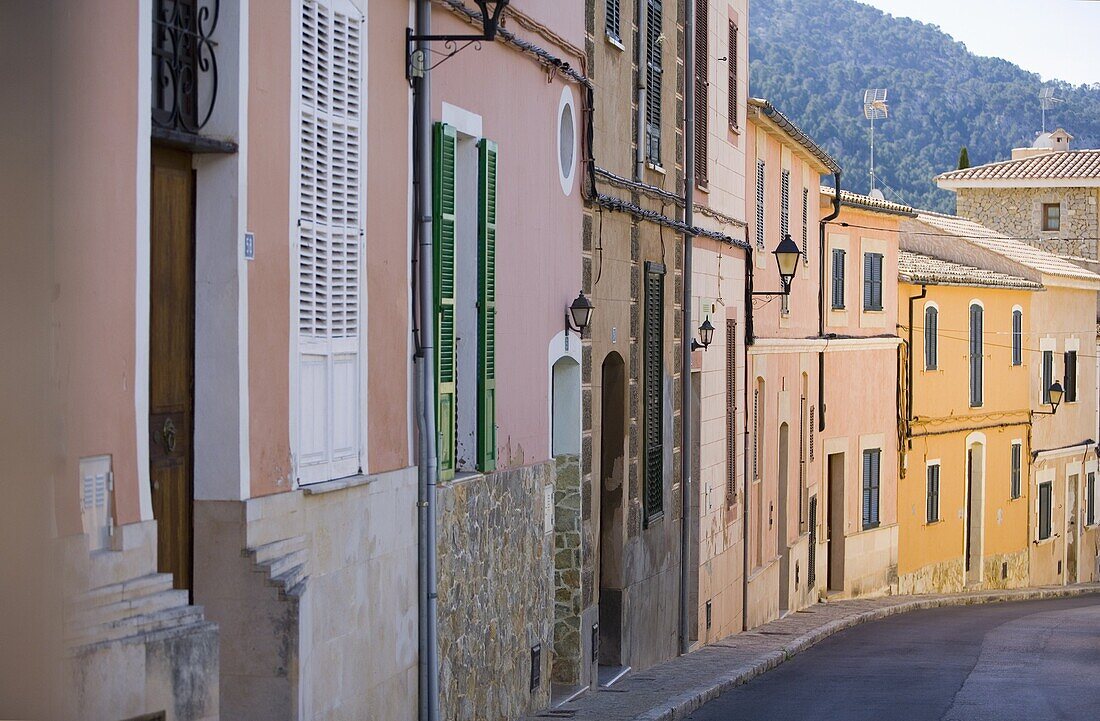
[{"x": 172, "y": 359}]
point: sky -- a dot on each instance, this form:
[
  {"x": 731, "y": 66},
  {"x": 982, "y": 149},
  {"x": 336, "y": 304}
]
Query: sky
[{"x": 1055, "y": 38}]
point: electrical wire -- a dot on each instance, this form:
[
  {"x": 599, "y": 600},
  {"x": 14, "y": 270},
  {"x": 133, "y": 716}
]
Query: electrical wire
[
  {"x": 955, "y": 235},
  {"x": 966, "y": 339}
]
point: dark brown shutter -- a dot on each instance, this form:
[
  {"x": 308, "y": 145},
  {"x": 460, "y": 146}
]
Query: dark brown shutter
[
  {"x": 731, "y": 58},
  {"x": 702, "y": 59},
  {"x": 731, "y": 411},
  {"x": 653, "y": 369}
]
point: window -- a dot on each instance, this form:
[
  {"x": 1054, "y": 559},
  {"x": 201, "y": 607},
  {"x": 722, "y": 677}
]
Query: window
[
  {"x": 1048, "y": 375},
  {"x": 1052, "y": 216},
  {"x": 702, "y": 63},
  {"x": 1069, "y": 382},
  {"x": 976, "y": 357},
  {"x": 731, "y": 59},
  {"x": 1016, "y": 470},
  {"x": 838, "y": 279},
  {"x": 731, "y": 411},
  {"x": 1017, "y": 337},
  {"x": 329, "y": 242},
  {"x": 932, "y": 503},
  {"x": 613, "y": 19},
  {"x": 760, "y": 204},
  {"x": 872, "y": 281},
  {"x": 931, "y": 338},
  {"x": 871, "y": 463},
  {"x": 805, "y": 226},
  {"x": 1045, "y": 490},
  {"x": 1090, "y": 498},
  {"x": 785, "y": 204},
  {"x": 653, "y": 368},
  {"x": 654, "y": 72}
]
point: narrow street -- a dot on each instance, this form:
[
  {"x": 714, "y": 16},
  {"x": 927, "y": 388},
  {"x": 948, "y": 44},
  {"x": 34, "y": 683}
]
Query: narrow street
[{"x": 1030, "y": 660}]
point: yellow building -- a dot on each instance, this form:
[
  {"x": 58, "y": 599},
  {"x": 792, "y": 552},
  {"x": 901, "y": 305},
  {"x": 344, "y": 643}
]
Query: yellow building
[{"x": 965, "y": 422}]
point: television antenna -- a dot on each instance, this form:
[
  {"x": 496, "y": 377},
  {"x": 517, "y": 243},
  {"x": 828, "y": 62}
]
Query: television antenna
[
  {"x": 874, "y": 108},
  {"x": 1047, "y": 101}
]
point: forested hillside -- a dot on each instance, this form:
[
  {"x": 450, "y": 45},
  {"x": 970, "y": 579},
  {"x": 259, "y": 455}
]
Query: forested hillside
[{"x": 814, "y": 58}]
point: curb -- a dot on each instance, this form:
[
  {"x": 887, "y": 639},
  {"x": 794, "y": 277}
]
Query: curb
[{"x": 685, "y": 703}]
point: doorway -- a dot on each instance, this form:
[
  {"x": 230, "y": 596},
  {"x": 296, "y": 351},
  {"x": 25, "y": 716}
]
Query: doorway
[
  {"x": 781, "y": 514},
  {"x": 612, "y": 532},
  {"x": 172, "y": 360},
  {"x": 974, "y": 514},
  {"x": 834, "y": 573}
]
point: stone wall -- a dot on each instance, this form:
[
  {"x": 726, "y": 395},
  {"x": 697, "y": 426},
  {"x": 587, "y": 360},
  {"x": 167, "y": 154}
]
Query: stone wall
[
  {"x": 1007, "y": 570},
  {"x": 1017, "y": 212},
  {"x": 567, "y": 650},
  {"x": 496, "y": 587},
  {"x": 942, "y": 577},
  {"x": 315, "y": 594}
]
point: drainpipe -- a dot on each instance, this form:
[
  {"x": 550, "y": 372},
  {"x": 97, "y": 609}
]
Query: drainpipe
[
  {"x": 639, "y": 114},
  {"x": 686, "y": 517},
  {"x": 427, "y": 462},
  {"x": 821, "y": 299},
  {"x": 909, "y": 373},
  {"x": 749, "y": 340}
]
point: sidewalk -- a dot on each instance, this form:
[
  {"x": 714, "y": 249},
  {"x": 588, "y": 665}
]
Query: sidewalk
[{"x": 674, "y": 689}]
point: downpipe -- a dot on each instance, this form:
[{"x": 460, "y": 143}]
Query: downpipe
[
  {"x": 821, "y": 299},
  {"x": 686, "y": 514},
  {"x": 427, "y": 462}
]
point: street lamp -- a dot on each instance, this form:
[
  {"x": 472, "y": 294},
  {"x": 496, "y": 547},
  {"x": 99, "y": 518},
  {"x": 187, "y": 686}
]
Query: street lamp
[
  {"x": 786, "y": 255},
  {"x": 706, "y": 335},
  {"x": 1055, "y": 394},
  {"x": 579, "y": 315}
]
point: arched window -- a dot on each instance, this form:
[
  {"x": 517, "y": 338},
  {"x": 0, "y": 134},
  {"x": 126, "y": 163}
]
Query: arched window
[
  {"x": 931, "y": 341},
  {"x": 976, "y": 350},
  {"x": 1017, "y": 337}
]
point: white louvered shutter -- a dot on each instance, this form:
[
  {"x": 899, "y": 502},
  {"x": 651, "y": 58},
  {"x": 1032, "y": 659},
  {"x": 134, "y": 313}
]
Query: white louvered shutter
[{"x": 330, "y": 241}]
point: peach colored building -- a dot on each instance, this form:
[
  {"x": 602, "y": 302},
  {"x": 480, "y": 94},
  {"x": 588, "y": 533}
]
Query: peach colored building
[
  {"x": 858, "y": 447},
  {"x": 781, "y": 385},
  {"x": 718, "y": 291}
]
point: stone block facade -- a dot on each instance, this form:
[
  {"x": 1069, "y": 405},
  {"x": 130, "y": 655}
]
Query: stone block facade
[
  {"x": 1017, "y": 212},
  {"x": 943, "y": 577},
  {"x": 568, "y": 578},
  {"x": 496, "y": 590}
]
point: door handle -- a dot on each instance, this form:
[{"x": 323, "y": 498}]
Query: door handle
[{"x": 168, "y": 434}]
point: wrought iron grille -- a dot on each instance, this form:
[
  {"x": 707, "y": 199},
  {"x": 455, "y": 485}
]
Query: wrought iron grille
[{"x": 185, "y": 65}]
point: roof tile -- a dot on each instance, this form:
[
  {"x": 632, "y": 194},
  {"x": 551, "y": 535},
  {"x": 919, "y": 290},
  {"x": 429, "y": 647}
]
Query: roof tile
[
  {"x": 919, "y": 268},
  {"x": 1065, "y": 165}
]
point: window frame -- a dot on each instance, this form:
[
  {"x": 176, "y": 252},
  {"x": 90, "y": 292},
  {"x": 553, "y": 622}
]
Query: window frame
[
  {"x": 838, "y": 282},
  {"x": 931, "y": 332},
  {"x": 1016, "y": 469},
  {"x": 976, "y": 347},
  {"x": 872, "y": 289},
  {"x": 731, "y": 59},
  {"x": 1090, "y": 498},
  {"x": 932, "y": 514},
  {"x": 1046, "y": 220},
  {"x": 1046, "y": 377},
  {"x": 871, "y": 501},
  {"x": 1017, "y": 336},
  {"x": 1069, "y": 383},
  {"x": 1039, "y": 497},
  {"x": 653, "y": 421},
  {"x": 612, "y": 23}
]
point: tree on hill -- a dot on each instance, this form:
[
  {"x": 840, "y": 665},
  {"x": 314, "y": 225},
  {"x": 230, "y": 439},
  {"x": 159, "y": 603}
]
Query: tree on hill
[
  {"x": 964, "y": 159},
  {"x": 942, "y": 97}
]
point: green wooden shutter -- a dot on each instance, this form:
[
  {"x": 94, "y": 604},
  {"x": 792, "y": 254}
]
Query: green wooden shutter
[
  {"x": 443, "y": 229},
  {"x": 487, "y": 306}
]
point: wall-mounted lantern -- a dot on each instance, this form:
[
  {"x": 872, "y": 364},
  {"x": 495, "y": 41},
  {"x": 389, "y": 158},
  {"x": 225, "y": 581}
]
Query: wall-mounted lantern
[
  {"x": 787, "y": 256},
  {"x": 706, "y": 335},
  {"x": 1055, "y": 393},
  {"x": 579, "y": 315}
]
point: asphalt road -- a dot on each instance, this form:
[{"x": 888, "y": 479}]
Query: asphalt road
[{"x": 1033, "y": 661}]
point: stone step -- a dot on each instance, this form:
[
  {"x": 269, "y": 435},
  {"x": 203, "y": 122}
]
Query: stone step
[
  {"x": 128, "y": 607},
  {"x": 133, "y": 588},
  {"x": 166, "y": 618},
  {"x": 268, "y": 553}
]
